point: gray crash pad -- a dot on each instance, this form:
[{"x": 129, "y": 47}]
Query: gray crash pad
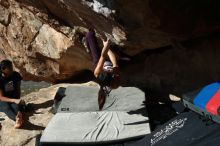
[
  {"x": 78, "y": 120},
  {"x": 94, "y": 127},
  {"x": 80, "y": 99}
]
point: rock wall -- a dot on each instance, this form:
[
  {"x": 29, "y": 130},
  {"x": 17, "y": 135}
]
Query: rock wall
[
  {"x": 41, "y": 48},
  {"x": 176, "y": 69},
  {"x": 44, "y": 37},
  {"x": 137, "y": 25}
]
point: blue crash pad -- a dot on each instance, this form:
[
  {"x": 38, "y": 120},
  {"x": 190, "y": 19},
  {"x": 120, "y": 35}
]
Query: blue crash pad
[{"x": 206, "y": 94}]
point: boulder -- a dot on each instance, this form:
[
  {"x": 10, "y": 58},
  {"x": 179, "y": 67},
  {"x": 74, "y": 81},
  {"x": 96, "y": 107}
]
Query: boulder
[{"x": 39, "y": 49}]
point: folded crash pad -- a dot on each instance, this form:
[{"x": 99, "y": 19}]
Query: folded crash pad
[
  {"x": 214, "y": 103},
  {"x": 206, "y": 94},
  {"x": 205, "y": 101}
]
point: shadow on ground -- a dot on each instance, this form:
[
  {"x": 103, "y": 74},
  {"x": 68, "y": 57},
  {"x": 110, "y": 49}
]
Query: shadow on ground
[{"x": 32, "y": 111}]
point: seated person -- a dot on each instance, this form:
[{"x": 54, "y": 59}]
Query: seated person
[{"x": 10, "y": 101}]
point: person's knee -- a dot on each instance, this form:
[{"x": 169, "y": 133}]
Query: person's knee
[
  {"x": 15, "y": 107},
  {"x": 4, "y": 106}
]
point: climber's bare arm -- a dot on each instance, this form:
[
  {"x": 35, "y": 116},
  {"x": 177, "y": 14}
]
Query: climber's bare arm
[
  {"x": 6, "y": 99},
  {"x": 112, "y": 58}
]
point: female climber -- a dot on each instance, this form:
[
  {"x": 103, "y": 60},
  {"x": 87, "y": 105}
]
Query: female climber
[{"x": 105, "y": 66}]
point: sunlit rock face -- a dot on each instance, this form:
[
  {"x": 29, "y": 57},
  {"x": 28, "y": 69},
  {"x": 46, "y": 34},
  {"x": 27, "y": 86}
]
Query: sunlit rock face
[
  {"x": 44, "y": 37},
  {"x": 41, "y": 48}
]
